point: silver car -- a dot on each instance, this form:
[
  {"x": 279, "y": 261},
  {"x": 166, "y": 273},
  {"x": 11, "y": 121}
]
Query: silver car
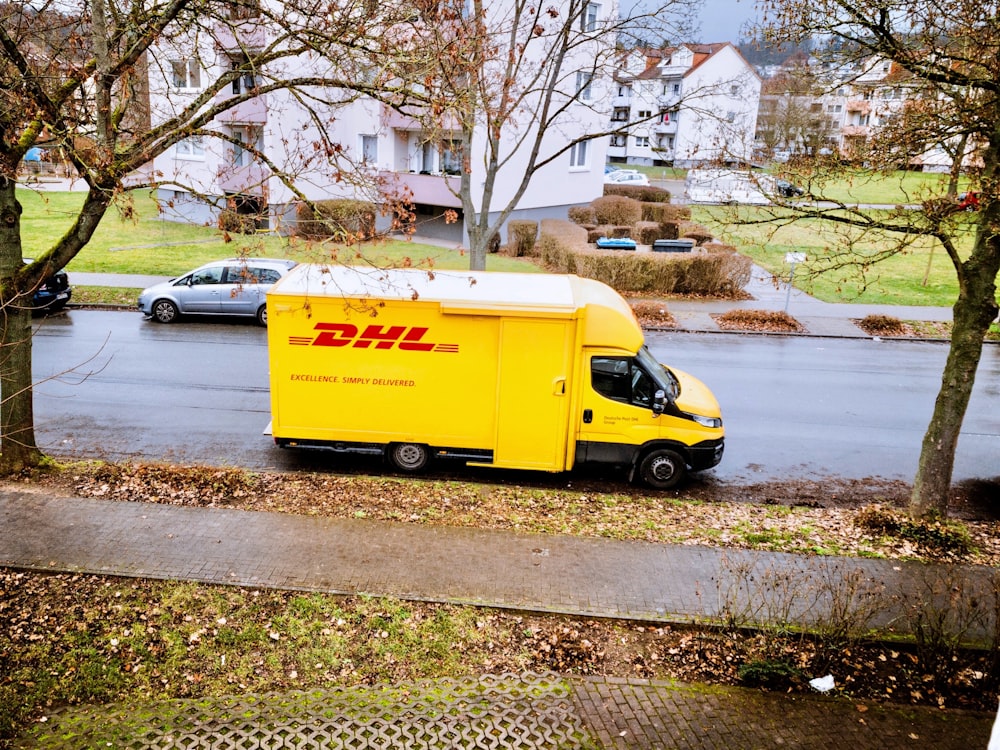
[{"x": 236, "y": 286}]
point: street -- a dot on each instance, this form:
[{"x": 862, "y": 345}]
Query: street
[{"x": 113, "y": 385}]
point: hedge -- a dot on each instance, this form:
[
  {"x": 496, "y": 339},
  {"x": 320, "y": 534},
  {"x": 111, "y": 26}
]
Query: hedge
[{"x": 344, "y": 219}]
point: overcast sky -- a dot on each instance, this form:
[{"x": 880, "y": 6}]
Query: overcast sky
[{"x": 721, "y": 20}]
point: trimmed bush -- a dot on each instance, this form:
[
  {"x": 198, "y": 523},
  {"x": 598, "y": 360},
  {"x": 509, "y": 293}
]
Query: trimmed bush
[
  {"x": 345, "y": 220},
  {"x": 650, "y": 273},
  {"x": 558, "y": 241},
  {"x": 236, "y": 223},
  {"x": 647, "y": 232},
  {"x": 647, "y": 194},
  {"x": 696, "y": 232},
  {"x": 665, "y": 212},
  {"x": 601, "y": 230},
  {"x": 521, "y": 236},
  {"x": 581, "y": 215},
  {"x": 718, "y": 247},
  {"x": 616, "y": 209}
]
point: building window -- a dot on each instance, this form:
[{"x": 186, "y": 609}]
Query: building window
[
  {"x": 583, "y": 82},
  {"x": 734, "y": 90},
  {"x": 186, "y": 74},
  {"x": 451, "y": 157},
  {"x": 246, "y": 82},
  {"x": 588, "y": 19},
  {"x": 369, "y": 149},
  {"x": 617, "y": 141},
  {"x": 645, "y": 114},
  {"x": 244, "y": 137},
  {"x": 578, "y": 155},
  {"x": 192, "y": 147},
  {"x": 642, "y": 141},
  {"x": 730, "y": 117}
]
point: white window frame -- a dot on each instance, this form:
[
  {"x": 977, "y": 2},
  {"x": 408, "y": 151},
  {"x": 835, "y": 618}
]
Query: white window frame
[
  {"x": 584, "y": 82},
  {"x": 579, "y": 153},
  {"x": 189, "y": 70},
  {"x": 368, "y": 145},
  {"x": 642, "y": 141},
  {"x": 589, "y": 17},
  {"x": 191, "y": 148}
]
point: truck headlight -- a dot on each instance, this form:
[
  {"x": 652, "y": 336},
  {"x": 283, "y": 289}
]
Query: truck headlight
[{"x": 704, "y": 421}]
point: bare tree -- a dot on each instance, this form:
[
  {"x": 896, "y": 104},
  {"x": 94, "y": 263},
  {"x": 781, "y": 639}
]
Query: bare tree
[
  {"x": 950, "y": 52},
  {"x": 520, "y": 86},
  {"x": 75, "y": 76}
]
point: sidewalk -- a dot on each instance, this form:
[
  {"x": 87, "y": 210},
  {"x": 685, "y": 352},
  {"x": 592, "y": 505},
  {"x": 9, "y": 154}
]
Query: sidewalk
[{"x": 545, "y": 573}]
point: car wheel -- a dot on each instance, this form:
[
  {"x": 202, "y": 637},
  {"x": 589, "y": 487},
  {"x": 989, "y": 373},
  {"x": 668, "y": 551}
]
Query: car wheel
[
  {"x": 165, "y": 311},
  {"x": 409, "y": 457},
  {"x": 662, "y": 469},
  {"x": 262, "y": 315}
]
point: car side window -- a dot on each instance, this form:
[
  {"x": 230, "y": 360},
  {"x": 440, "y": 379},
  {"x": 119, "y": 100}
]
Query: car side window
[
  {"x": 620, "y": 379},
  {"x": 268, "y": 275},
  {"x": 207, "y": 276},
  {"x": 609, "y": 376}
]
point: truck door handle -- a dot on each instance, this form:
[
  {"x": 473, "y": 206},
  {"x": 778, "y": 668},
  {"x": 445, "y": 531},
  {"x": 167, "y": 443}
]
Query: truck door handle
[
  {"x": 588, "y": 416},
  {"x": 559, "y": 387}
]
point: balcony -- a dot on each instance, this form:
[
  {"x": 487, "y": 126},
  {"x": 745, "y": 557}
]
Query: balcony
[
  {"x": 395, "y": 120},
  {"x": 854, "y": 130},
  {"x": 424, "y": 188},
  {"x": 665, "y": 128},
  {"x": 247, "y": 180},
  {"x": 859, "y": 105},
  {"x": 249, "y": 112}
]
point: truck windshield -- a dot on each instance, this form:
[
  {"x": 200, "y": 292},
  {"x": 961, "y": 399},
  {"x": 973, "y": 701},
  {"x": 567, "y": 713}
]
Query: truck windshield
[{"x": 663, "y": 377}]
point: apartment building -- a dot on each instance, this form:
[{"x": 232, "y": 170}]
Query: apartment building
[
  {"x": 363, "y": 149},
  {"x": 685, "y": 106}
]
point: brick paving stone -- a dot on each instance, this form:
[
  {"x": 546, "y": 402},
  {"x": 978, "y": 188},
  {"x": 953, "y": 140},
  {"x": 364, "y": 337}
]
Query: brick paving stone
[{"x": 588, "y": 577}]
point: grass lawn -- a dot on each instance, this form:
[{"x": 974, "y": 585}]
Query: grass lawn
[
  {"x": 898, "y": 280},
  {"x": 144, "y": 244},
  {"x": 858, "y": 186}
]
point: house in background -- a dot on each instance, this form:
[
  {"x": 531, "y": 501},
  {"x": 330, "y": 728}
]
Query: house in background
[
  {"x": 388, "y": 154},
  {"x": 685, "y": 106}
]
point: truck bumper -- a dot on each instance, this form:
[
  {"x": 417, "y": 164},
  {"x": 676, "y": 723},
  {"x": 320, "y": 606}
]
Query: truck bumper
[{"x": 707, "y": 454}]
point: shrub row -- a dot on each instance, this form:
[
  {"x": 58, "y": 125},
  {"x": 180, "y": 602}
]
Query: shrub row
[
  {"x": 344, "y": 219},
  {"x": 564, "y": 248},
  {"x": 640, "y": 193}
]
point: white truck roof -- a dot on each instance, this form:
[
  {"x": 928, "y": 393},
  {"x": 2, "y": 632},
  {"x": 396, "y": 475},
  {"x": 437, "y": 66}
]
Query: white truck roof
[{"x": 452, "y": 288}]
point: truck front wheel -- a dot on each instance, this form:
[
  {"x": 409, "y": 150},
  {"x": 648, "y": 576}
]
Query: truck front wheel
[
  {"x": 409, "y": 457},
  {"x": 662, "y": 469}
]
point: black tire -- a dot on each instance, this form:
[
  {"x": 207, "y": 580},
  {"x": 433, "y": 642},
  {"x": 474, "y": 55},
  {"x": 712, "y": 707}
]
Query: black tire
[
  {"x": 262, "y": 316},
  {"x": 662, "y": 469},
  {"x": 409, "y": 457},
  {"x": 165, "y": 311}
]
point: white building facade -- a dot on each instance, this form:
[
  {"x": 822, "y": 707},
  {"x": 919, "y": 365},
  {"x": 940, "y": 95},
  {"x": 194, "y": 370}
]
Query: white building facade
[
  {"x": 688, "y": 106},
  {"x": 232, "y": 163}
]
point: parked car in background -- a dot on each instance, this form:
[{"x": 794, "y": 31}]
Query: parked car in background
[
  {"x": 787, "y": 189},
  {"x": 52, "y": 295},
  {"x": 626, "y": 177},
  {"x": 236, "y": 286},
  {"x": 969, "y": 201}
]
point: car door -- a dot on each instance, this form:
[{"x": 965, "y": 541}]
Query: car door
[
  {"x": 199, "y": 292},
  {"x": 245, "y": 288}
]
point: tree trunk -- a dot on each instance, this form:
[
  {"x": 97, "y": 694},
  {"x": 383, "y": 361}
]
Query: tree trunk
[
  {"x": 17, "y": 431},
  {"x": 973, "y": 312}
]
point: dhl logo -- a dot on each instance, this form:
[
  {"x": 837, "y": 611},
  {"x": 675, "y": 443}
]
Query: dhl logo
[{"x": 406, "y": 338}]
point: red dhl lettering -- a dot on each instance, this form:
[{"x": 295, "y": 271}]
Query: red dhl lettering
[{"x": 406, "y": 338}]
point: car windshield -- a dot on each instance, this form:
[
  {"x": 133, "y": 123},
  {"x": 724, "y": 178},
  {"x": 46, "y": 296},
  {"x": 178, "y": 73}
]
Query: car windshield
[{"x": 663, "y": 377}]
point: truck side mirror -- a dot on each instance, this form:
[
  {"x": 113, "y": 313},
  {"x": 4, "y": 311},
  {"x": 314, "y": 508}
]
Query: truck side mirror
[{"x": 659, "y": 402}]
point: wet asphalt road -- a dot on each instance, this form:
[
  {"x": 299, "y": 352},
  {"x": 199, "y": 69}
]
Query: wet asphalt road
[{"x": 113, "y": 385}]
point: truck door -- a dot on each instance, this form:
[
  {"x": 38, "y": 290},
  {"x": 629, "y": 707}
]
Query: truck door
[
  {"x": 532, "y": 402},
  {"x": 616, "y": 414}
]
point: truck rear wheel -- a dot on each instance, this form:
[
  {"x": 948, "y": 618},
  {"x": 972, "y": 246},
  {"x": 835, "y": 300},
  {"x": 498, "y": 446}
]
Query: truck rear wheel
[
  {"x": 409, "y": 457},
  {"x": 662, "y": 469}
]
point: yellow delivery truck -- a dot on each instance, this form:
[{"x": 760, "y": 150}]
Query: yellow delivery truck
[{"x": 511, "y": 370}]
